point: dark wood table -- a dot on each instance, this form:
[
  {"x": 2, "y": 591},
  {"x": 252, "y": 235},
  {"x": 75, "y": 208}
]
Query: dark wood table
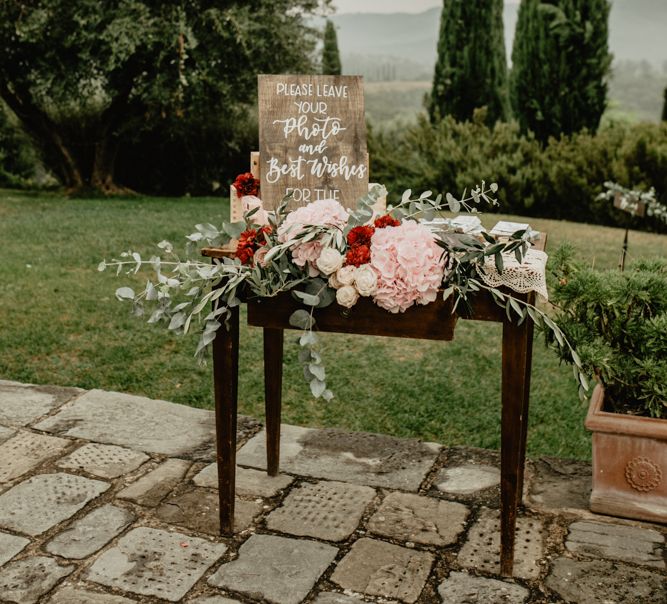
[{"x": 434, "y": 321}]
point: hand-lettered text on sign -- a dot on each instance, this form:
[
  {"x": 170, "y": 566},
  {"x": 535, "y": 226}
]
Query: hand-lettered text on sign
[{"x": 312, "y": 139}]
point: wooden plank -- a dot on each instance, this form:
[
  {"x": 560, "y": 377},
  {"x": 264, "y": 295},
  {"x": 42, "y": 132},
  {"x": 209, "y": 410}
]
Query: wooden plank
[
  {"x": 312, "y": 139},
  {"x": 433, "y": 321}
]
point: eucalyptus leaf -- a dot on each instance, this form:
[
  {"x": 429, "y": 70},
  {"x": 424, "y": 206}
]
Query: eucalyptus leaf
[
  {"x": 301, "y": 319},
  {"x": 317, "y": 387},
  {"x": 125, "y": 293}
]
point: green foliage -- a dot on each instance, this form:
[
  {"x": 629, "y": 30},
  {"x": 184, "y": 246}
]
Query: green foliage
[
  {"x": 471, "y": 68},
  {"x": 560, "y": 63},
  {"x": 664, "y": 106},
  {"x": 331, "y": 64},
  {"x": 560, "y": 180},
  {"x": 617, "y": 322},
  {"x": 89, "y": 80}
]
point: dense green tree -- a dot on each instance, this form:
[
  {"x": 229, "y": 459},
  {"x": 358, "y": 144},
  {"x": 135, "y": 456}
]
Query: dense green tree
[
  {"x": 331, "y": 64},
  {"x": 664, "y": 106},
  {"x": 560, "y": 64},
  {"x": 87, "y": 77},
  {"x": 471, "y": 69}
]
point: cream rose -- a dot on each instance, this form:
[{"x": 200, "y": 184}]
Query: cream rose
[
  {"x": 345, "y": 275},
  {"x": 365, "y": 280},
  {"x": 330, "y": 261},
  {"x": 347, "y": 296}
]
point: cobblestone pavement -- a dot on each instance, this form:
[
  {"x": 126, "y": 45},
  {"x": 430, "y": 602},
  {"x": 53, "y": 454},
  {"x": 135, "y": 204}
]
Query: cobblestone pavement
[{"x": 107, "y": 498}]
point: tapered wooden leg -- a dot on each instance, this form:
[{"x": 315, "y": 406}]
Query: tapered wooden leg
[
  {"x": 225, "y": 381},
  {"x": 273, "y": 382},
  {"x": 517, "y": 343}
]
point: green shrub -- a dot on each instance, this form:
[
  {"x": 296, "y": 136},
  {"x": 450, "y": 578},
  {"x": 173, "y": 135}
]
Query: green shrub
[
  {"x": 562, "y": 179},
  {"x": 617, "y": 322}
]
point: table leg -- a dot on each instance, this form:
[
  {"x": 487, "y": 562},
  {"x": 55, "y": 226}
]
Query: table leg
[
  {"x": 273, "y": 381},
  {"x": 225, "y": 381},
  {"x": 517, "y": 343}
]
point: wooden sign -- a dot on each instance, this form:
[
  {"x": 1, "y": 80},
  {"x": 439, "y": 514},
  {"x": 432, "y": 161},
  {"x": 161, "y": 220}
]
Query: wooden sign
[{"x": 312, "y": 139}]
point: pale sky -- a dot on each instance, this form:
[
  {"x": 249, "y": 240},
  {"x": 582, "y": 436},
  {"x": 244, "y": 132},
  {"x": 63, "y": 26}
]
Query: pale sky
[{"x": 389, "y": 6}]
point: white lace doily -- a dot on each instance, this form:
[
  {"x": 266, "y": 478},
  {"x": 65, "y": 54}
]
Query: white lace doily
[{"x": 523, "y": 277}]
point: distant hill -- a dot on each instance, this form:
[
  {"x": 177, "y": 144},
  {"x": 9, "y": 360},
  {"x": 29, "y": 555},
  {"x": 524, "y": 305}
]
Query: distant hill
[{"x": 404, "y": 44}]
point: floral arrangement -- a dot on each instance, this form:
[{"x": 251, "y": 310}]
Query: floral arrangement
[
  {"x": 324, "y": 254},
  {"x": 635, "y": 202}
]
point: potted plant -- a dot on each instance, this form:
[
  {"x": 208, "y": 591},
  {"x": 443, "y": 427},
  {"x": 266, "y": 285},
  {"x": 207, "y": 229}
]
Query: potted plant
[{"x": 617, "y": 323}]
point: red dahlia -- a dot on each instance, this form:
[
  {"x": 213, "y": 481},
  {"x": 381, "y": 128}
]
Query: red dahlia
[
  {"x": 385, "y": 221},
  {"x": 246, "y": 184},
  {"x": 249, "y": 242},
  {"x": 360, "y": 235},
  {"x": 358, "y": 255}
]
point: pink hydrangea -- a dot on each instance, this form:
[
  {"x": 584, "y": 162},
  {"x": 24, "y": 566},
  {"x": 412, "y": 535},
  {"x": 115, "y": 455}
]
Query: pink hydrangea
[
  {"x": 324, "y": 212},
  {"x": 409, "y": 265}
]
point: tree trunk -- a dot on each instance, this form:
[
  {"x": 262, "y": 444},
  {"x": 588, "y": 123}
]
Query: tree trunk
[{"x": 45, "y": 133}]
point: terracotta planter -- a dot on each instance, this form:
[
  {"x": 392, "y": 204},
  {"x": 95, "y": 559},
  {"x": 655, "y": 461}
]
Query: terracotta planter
[{"x": 629, "y": 463}]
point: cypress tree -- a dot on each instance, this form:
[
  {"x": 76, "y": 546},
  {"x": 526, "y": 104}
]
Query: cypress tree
[
  {"x": 471, "y": 69},
  {"x": 664, "y": 106},
  {"x": 331, "y": 64},
  {"x": 560, "y": 63}
]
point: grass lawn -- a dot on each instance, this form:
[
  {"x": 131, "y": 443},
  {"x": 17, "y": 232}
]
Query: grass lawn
[{"x": 61, "y": 324}]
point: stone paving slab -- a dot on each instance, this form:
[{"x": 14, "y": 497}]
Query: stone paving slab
[
  {"x": 213, "y": 600},
  {"x": 22, "y": 404},
  {"x": 249, "y": 482},
  {"x": 462, "y": 588},
  {"x": 273, "y": 568},
  {"x": 136, "y": 422},
  {"x": 6, "y": 433},
  {"x": 35, "y": 505},
  {"x": 153, "y": 562},
  {"x": 360, "y": 458},
  {"x": 336, "y": 598},
  {"x": 325, "y": 510},
  {"x": 75, "y": 595},
  {"x": 152, "y": 488},
  {"x": 382, "y": 569},
  {"x": 198, "y": 510},
  {"x": 419, "y": 519},
  {"x": 105, "y": 461},
  {"x": 560, "y": 484},
  {"x": 626, "y": 543},
  {"x": 467, "y": 479},
  {"x": 27, "y": 450},
  {"x": 10, "y": 545},
  {"x": 25, "y": 581},
  {"x": 481, "y": 550},
  {"x": 602, "y": 581},
  {"x": 90, "y": 533}
]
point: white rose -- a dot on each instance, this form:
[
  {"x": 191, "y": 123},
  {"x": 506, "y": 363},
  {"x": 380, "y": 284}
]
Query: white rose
[
  {"x": 334, "y": 282},
  {"x": 366, "y": 280},
  {"x": 345, "y": 275},
  {"x": 347, "y": 296},
  {"x": 330, "y": 261}
]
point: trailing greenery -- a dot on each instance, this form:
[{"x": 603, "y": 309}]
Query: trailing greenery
[
  {"x": 95, "y": 82},
  {"x": 471, "y": 68},
  {"x": 617, "y": 322},
  {"x": 560, "y": 64},
  {"x": 331, "y": 64},
  {"x": 560, "y": 180}
]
